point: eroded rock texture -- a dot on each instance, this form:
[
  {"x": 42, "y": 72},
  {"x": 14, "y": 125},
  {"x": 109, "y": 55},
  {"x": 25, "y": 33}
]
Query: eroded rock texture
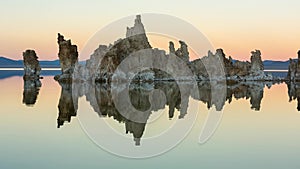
[
  {"x": 137, "y": 29},
  {"x": 217, "y": 66},
  {"x": 68, "y": 57},
  {"x": 294, "y": 69},
  {"x": 104, "y": 62},
  {"x": 135, "y": 40},
  {"x": 257, "y": 66},
  {"x": 182, "y": 52},
  {"x": 32, "y": 67}
]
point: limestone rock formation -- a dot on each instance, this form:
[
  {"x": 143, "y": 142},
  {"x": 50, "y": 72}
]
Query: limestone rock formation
[
  {"x": 182, "y": 52},
  {"x": 294, "y": 69},
  {"x": 257, "y": 66},
  {"x": 68, "y": 57},
  {"x": 103, "y": 63},
  {"x": 135, "y": 40},
  {"x": 297, "y": 75},
  {"x": 32, "y": 67},
  {"x": 241, "y": 68},
  {"x": 137, "y": 29},
  {"x": 215, "y": 64},
  {"x": 171, "y": 47},
  {"x": 101, "y": 67}
]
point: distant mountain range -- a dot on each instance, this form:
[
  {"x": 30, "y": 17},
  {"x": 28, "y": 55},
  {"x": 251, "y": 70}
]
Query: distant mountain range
[
  {"x": 276, "y": 65},
  {"x": 9, "y": 63}
]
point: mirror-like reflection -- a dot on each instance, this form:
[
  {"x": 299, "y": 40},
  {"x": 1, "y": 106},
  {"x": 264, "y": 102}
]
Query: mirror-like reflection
[
  {"x": 245, "y": 90},
  {"x": 294, "y": 92},
  {"x": 66, "y": 106},
  {"x": 31, "y": 91},
  {"x": 146, "y": 98},
  {"x": 254, "y": 91}
]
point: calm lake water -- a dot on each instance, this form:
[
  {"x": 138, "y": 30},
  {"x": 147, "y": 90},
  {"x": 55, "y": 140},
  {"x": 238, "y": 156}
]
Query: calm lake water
[{"x": 48, "y": 125}]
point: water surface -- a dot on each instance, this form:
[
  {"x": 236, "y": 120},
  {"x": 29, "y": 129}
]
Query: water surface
[{"x": 259, "y": 127}]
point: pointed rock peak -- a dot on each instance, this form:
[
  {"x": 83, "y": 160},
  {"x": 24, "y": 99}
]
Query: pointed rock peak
[
  {"x": 137, "y": 29},
  {"x": 256, "y": 53},
  {"x": 182, "y": 44},
  {"x": 60, "y": 38},
  {"x": 210, "y": 54},
  {"x": 220, "y": 53},
  {"x": 183, "y": 51},
  {"x": 256, "y": 61},
  {"x": 137, "y": 20},
  {"x": 171, "y": 47}
]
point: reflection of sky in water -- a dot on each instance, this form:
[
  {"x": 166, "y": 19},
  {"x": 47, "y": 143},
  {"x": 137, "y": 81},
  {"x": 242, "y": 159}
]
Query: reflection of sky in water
[{"x": 268, "y": 138}]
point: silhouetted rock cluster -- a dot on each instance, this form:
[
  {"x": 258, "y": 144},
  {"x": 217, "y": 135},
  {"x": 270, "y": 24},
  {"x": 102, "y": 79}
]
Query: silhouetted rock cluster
[
  {"x": 68, "y": 57},
  {"x": 32, "y": 67},
  {"x": 216, "y": 66},
  {"x": 211, "y": 67}
]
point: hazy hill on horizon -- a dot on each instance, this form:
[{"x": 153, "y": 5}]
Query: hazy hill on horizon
[{"x": 10, "y": 63}]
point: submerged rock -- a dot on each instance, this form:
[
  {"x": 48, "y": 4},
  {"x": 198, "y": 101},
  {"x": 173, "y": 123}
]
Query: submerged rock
[
  {"x": 68, "y": 57},
  {"x": 32, "y": 67}
]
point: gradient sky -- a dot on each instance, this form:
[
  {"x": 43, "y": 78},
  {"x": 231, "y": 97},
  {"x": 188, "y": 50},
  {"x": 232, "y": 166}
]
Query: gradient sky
[{"x": 273, "y": 26}]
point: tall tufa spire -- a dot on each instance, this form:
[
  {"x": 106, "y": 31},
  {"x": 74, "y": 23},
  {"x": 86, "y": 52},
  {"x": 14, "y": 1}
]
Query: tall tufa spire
[{"x": 137, "y": 29}]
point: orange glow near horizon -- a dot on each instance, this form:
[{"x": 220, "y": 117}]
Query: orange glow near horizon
[
  {"x": 236, "y": 27},
  {"x": 47, "y": 48}
]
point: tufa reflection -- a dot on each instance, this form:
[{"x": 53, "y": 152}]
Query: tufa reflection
[
  {"x": 147, "y": 98},
  {"x": 31, "y": 91}
]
